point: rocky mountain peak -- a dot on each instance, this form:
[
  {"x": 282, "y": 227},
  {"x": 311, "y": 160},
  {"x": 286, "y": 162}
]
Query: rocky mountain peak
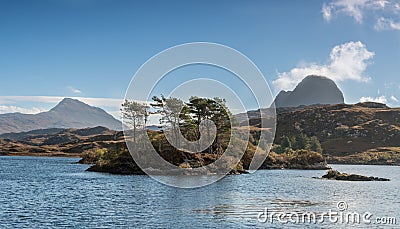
[
  {"x": 68, "y": 105},
  {"x": 69, "y": 113},
  {"x": 311, "y": 90}
]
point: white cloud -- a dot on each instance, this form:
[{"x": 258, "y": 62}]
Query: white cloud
[
  {"x": 12, "y": 109},
  {"x": 352, "y": 8},
  {"x": 102, "y": 102},
  {"x": 386, "y": 24},
  {"x": 42, "y": 99},
  {"x": 327, "y": 12},
  {"x": 74, "y": 90},
  {"x": 380, "y": 99},
  {"x": 396, "y": 7},
  {"x": 381, "y": 3},
  {"x": 346, "y": 62},
  {"x": 386, "y": 11},
  {"x": 116, "y": 114},
  {"x": 394, "y": 99}
]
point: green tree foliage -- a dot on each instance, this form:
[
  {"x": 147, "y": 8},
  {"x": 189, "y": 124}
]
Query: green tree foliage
[
  {"x": 214, "y": 110},
  {"x": 136, "y": 115},
  {"x": 299, "y": 142},
  {"x": 174, "y": 112},
  {"x": 184, "y": 118},
  {"x": 302, "y": 142},
  {"x": 315, "y": 145},
  {"x": 286, "y": 143}
]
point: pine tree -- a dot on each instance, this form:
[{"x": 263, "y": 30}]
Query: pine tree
[
  {"x": 315, "y": 145},
  {"x": 135, "y": 115},
  {"x": 286, "y": 143}
]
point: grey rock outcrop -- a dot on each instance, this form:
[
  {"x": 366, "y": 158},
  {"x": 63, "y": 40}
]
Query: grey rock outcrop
[{"x": 311, "y": 90}]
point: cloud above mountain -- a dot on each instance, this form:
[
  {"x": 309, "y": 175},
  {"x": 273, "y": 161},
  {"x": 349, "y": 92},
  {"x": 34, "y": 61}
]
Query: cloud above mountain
[
  {"x": 347, "y": 61},
  {"x": 102, "y": 102},
  {"x": 13, "y": 109},
  {"x": 74, "y": 90},
  {"x": 394, "y": 99},
  {"x": 379, "y": 99}
]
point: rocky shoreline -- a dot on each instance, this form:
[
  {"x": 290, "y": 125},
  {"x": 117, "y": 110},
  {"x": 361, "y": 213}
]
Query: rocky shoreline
[
  {"x": 316, "y": 166},
  {"x": 122, "y": 163}
]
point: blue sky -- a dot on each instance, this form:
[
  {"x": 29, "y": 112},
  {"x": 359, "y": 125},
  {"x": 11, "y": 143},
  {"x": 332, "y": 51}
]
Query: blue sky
[{"x": 91, "y": 49}]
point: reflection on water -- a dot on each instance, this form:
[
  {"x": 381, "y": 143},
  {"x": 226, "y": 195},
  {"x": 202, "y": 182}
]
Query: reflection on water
[{"x": 56, "y": 192}]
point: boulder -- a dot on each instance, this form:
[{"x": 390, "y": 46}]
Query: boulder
[{"x": 336, "y": 175}]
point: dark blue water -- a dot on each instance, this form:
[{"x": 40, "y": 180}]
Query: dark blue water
[{"x": 38, "y": 192}]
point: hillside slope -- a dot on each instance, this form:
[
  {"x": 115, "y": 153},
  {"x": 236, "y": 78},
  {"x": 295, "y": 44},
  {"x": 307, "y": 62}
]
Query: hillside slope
[
  {"x": 59, "y": 142},
  {"x": 69, "y": 113},
  {"x": 361, "y": 133}
]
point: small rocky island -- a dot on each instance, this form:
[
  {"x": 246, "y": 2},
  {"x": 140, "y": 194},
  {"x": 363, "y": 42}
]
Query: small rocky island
[
  {"x": 120, "y": 162},
  {"x": 336, "y": 175},
  {"x": 296, "y": 152}
]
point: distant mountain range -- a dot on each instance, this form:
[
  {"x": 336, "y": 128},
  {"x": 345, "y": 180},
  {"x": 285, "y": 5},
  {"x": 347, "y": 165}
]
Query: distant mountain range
[
  {"x": 69, "y": 113},
  {"x": 364, "y": 133},
  {"x": 310, "y": 91}
]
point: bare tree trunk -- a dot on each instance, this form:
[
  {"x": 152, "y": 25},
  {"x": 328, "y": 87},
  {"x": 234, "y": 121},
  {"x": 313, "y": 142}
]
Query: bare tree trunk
[{"x": 134, "y": 132}]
